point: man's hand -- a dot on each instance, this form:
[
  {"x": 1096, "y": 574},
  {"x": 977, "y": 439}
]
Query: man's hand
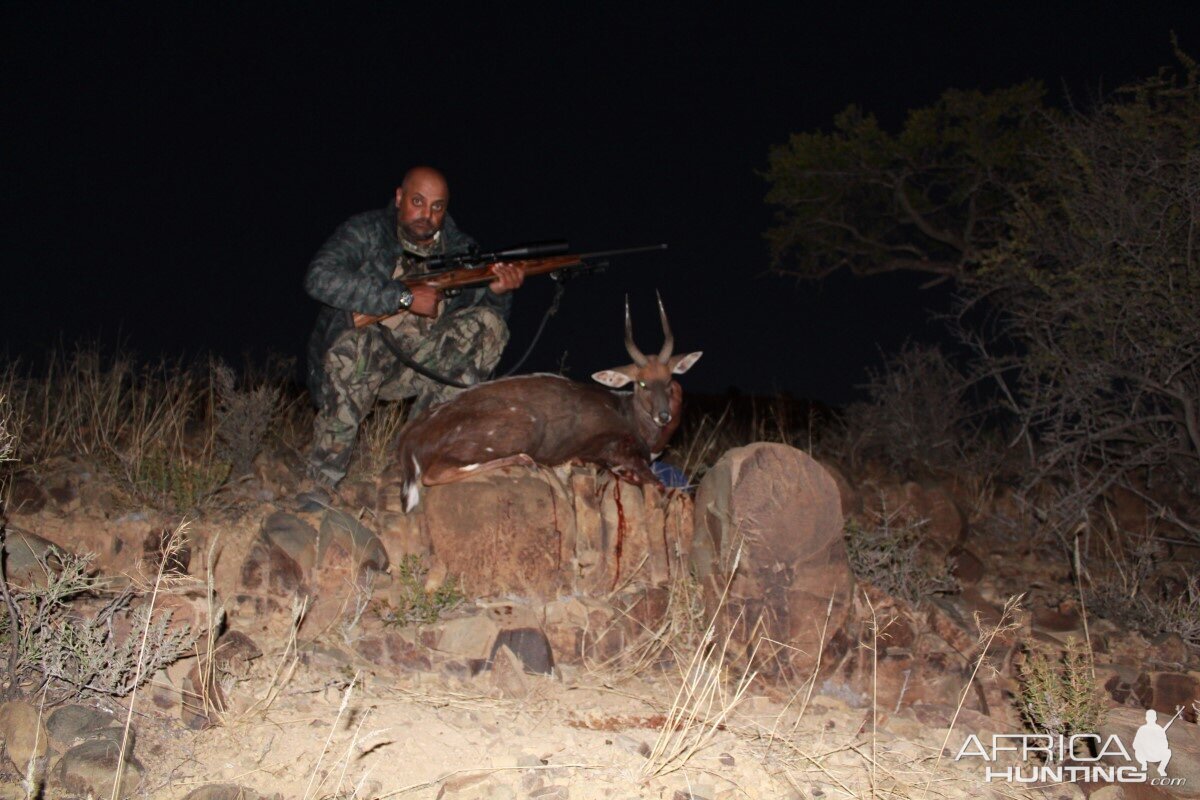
[
  {"x": 425, "y": 301},
  {"x": 508, "y": 277}
]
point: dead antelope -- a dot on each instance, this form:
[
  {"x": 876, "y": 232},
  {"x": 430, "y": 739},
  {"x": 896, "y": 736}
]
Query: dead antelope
[{"x": 551, "y": 420}]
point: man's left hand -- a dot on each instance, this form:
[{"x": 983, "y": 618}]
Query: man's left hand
[{"x": 508, "y": 277}]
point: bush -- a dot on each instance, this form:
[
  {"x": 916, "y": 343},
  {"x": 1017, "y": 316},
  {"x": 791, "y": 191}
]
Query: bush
[
  {"x": 886, "y": 553},
  {"x": 416, "y": 605},
  {"x": 52, "y": 643},
  {"x": 1058, "y": 692}
]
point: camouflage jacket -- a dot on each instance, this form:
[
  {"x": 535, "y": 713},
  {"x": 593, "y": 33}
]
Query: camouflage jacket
[{"x": 353, "y": 272}]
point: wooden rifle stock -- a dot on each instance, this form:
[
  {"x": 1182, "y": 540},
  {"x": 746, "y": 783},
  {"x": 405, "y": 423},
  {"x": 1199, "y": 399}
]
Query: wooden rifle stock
[
  {"x": 465, "y": 276},
  {"x": 462, "y": 277}
]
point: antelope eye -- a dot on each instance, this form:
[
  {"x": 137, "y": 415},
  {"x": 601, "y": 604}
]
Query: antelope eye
[{"x": 641, "y": 384}]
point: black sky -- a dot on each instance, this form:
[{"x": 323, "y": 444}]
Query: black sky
[{"x": 169, "y": 171}]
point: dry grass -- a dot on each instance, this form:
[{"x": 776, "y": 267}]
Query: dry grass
[{"x": 171, "y": 434}]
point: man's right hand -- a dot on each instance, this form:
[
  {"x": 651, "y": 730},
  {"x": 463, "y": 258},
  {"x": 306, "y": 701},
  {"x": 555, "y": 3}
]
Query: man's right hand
[{"x": 425, "y": 301}]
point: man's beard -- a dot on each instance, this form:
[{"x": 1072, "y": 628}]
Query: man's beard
[{"x": 418, "y": 231}]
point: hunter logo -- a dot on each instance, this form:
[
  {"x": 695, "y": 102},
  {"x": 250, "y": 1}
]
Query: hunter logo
[{"x": 1042, "y": 757}]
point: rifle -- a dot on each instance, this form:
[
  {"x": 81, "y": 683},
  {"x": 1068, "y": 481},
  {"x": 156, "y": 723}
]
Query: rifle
[{"x": 451, "y": 272}]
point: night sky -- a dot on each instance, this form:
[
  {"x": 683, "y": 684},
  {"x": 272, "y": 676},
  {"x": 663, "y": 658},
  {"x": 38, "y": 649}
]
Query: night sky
[{"x": 168, "y": 173}]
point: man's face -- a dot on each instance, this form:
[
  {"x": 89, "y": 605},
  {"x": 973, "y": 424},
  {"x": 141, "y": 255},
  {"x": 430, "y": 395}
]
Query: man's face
[{"x": 421, "y": 207}]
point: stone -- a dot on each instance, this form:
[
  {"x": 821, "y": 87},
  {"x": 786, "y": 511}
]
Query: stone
[
  {"x": 530, "y": 647},
  {"x": 24, "y": 733},
  {"x": 155, "y": 545},
  {"x": 91, "y": 768},
  {"x": 70, "y": 725},
  {"x": 357, "y": 542},
  {"x": 294, "y": 536},
  {"x": 1168, "y": 691},
  {"x": 223, "y": 791},
  {"x": 269, "y": 568},
  {"x": 508, "y": 674},
  {"x": 500, "y": 533},
  {"x": 583, "y": 628},
  {"x": 470, "y": 637},
  {"x": 968, "y": 569},
  {"x": 776, "y": 512},
  {"x": 26, "y": 496},
  {"x": 64, "y": 491},
  {"x": 28, "y": 557}
]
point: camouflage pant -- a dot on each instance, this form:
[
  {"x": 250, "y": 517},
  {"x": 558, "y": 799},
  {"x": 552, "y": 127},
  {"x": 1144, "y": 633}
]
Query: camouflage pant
[{"x": 360, "y": 369}]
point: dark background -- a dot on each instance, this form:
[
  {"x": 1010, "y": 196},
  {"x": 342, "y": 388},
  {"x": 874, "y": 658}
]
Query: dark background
[{"x": 169, "y": 172}]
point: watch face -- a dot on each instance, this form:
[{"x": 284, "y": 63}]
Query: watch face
[{"x": 406, "y": 299}]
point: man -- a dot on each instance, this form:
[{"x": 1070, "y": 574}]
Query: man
[{"x": 361, "y": 268}]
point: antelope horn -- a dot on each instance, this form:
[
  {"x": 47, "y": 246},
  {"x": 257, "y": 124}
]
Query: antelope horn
[
  {"x": 668, "y": 341},
  {"x": 638, "y": 356}
]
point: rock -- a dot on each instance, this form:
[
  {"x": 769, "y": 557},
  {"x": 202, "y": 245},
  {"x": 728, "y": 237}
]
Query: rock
[
  {"x": 542, "y": 533},
  {"x": 1053, "y": 620},
  {"x": 294, "y": 536},
  {"x": 393, "y": 649},
  {"x": 28, "y": 557},
  {"x": 26, "y": 496},
  {"x": 552, "y": 792},
  {"x": 968, "y": 568},
  {"x": 269, "y": 568},
  {"x": 91, "y": 768},
  {"x": 1169, "y": 649},
  {"x": 1183, "y": 738},
  {"x": 224, "y": 791},
  {"x": 24, "y": 733},
  {"x": 155, "y": 545},
  {"x": 580, "y": 628},
  {"x": 470, "y": 637},
  {"x": 508, "y": 674},
  {"x": 201, "y": 695},
  {"x": 1168, "y": 691},
  {"x": 530, "y": 647},
  {"x": 501, "y": 533},
  {"x": 64, "y": 491},
  {"x": 358, "y": 493},
  {"x": 357, "y": 542},
  {"x": 70, "y": 725},
  {"x": 775, "y": 511},
  {"x": 851, "y": 500}
]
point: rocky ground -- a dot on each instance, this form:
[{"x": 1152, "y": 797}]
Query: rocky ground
[{"x": 578, "y": 663}]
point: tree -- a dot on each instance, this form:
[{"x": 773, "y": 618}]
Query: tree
[
  {"x": 1097, "y": 278},
  {"x": 931, "y": 199},
  {"x": 1079, "y": 233}
]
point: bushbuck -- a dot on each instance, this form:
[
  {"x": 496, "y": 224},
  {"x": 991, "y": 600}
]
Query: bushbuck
[{"x": 551, "y": 420}]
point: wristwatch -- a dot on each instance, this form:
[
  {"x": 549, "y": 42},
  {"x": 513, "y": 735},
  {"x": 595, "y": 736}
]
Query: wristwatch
[{"x": 406, "y": 299}]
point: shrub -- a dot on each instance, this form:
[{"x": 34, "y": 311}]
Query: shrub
[
  {"x": 886, "y": 553},
  {"x": 415, "y": 604},
  {"x": 49, "y": 642},
  {"x": 1058, "y": 691}
]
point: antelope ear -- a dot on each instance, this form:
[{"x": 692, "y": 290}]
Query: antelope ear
[
  {"x": 681, "y": 364},
  {"x": 612, "y": 378}
]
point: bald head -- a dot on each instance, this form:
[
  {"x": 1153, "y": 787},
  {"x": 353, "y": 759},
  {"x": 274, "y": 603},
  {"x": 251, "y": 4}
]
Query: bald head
[{"x": 421, "y": 202}]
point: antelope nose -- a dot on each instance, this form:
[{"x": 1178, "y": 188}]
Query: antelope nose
[{"x": 664, "y": 417}]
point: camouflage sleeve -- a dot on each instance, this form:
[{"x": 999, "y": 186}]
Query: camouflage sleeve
[{"x": 335, "y": 276}]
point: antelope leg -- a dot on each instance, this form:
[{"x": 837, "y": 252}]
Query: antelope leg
[{"x": 449, "y": 473}]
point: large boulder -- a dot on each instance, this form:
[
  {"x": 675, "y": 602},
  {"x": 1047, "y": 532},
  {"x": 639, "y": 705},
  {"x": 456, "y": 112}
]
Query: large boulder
[
  {"x": 772, "y": 516},
  {"x": 540, "y": 534}
]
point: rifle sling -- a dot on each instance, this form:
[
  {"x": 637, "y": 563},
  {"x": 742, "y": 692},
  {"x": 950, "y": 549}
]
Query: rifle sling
[{"x": 421, "y": 369}]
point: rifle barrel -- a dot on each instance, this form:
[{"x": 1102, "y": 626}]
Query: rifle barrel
[{"x": 626, "y": 251}]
